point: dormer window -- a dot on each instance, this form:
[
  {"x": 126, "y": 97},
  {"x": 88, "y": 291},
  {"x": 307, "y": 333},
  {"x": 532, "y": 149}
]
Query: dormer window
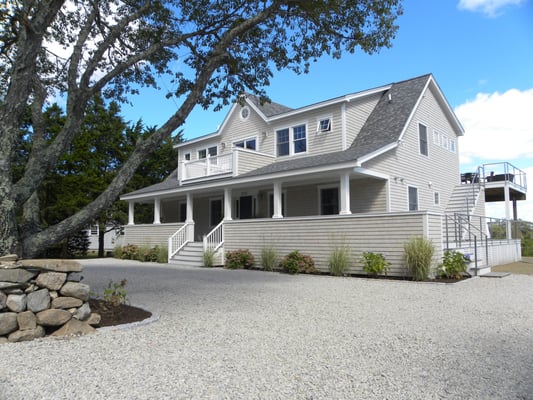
[
  {"x": 324, "y": 125},
  {"x": 291, "y": 141}
]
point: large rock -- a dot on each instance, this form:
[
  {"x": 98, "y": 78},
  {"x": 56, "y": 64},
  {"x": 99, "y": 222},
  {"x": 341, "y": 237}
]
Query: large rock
[
  {"x": 74, "y": 327},
  {"x": 38, "y": 300},
  {"x": 9, "y": 258},
  {"x": 66, "y": 302},
  {"x": 26, "y": 320},
  {"x": 16, "y": 275},
  {"x": 16, "y": 302},
  {"x": 51, "y": 280},
  {"x": 53, "y": 265},
  {"x": 76, "y": 289},
  {"x": 94, "y": 319},
  {"x": 83, "y": 312},
  {"x": 8, "y": 323},
  {"x": 12, "y": 285},
  {"x": 3, "y": 299},
  {"x": 53, "y": 317},
  {"x": 30, "y": 334}
]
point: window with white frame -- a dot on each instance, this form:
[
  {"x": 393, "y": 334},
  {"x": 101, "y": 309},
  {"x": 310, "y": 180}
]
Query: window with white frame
[
  {"x": 445, "y": 142},
  {"x": 413, "y": 198},
  {"x": 324, "y": 125},
  {"x": 187, "y": 156},
  {"x": 436, "y": 198},
  {"x": 250, "y": 143},
  {"x": 291, "y": 141},
  {"x": 423, "y": 139},
  {"x": 436, "y": 137},
  {"x": 212, "y": 151},
  {"x": 453, "y": 147}
]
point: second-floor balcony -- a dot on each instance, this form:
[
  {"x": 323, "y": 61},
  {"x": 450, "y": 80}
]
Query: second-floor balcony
[{"x": 234, "y": 163}]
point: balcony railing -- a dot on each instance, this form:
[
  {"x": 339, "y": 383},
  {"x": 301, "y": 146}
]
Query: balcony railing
[{"x": 206, "y": 167}]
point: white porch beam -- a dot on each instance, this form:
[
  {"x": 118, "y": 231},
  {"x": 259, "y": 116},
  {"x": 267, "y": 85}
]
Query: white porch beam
[
  {"x": 227, "y": 204},
  {"x": 131, "y": 213},
  {"x": 157, "y": 210},
  {"x": 277, "y": 200},
  {"x": 345, "y": 194}
]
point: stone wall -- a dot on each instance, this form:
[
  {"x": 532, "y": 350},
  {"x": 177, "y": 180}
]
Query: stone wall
[{"x": 43, "y": 297}]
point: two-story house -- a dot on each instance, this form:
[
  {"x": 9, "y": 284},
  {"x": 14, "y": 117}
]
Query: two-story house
[{"x": 370, "y": 169}]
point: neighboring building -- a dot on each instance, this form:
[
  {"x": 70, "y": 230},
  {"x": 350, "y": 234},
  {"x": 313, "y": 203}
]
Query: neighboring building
[
  {"x": 112, "y": 237},
  {"x": 370, "y": 169}
]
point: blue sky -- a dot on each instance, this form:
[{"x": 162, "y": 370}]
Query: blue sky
[{"x": 480, "y": 52}]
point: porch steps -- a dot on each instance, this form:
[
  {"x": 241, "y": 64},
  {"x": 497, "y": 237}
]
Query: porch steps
[
  {"x": 463, "y": 199},
  {"x": 192, "y": 255}
]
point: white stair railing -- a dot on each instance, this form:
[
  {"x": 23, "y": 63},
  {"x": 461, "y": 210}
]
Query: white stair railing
[
  {"x": 179, "y": 239},
  {"x": 214, "y": 239}
]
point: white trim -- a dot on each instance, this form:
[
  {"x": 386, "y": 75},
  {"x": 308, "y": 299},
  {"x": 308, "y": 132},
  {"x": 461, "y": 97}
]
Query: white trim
[
  {"x": 344, "y": 137},
  {"x": 198, "y": 139}
]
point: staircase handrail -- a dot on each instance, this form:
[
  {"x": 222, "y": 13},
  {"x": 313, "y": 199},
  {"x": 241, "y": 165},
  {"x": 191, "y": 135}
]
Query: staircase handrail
[
  {"x": 214, "y": 239},
  {"x": 179, "y": 239}
]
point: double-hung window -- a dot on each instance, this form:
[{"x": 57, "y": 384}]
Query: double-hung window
[
  {"x": 291, "y": 141},
  {"x": 413, "y": 198},
  {"x": 423, "y": 139}
]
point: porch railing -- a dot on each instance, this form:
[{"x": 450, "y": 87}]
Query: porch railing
[
  {"x": 179, "y": 239},
  {"x": 214, "y": 239},
  {"x": 209, "y": 166}
]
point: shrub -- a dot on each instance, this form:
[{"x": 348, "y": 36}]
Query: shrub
[
  {"x": 143, "y": 253},
  {"x": 208, "y": 258},
  {"x": 339, "y": 259},
  {"x": 454, "y": 264},
  {"x": 418, "y": 253},
  {"x": 239, "y": 259},
  {"x": 115, "y": 293},
  {"x": 117, "y": 252},
  {"x": 295, "y": 263},
  {"x": 130, "y": 252},
  {"x": 375, "y": 263},
  {"x": 269, "y": 258},
  {"x": 148, "y": 254}
]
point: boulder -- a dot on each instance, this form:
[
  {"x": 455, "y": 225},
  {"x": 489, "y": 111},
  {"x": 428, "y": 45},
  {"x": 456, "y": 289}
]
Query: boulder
[
  {"x": 94, "y": 319},
  {"x": 9, "y": 258},
  {"x": 75, "y": 277},
  {"x": 83, "y": 312},
  {"x": 16, "y": 302},
  {"x": 3, "y": 340},
  {"x": 76, "y": 289},
  {"x": 27, "y": 321},
  {"x": 51, "y": 280},
  {"x": 53, "y": 317},
  {"x": 66, "y": 302},
  {"x": 30, "y": 334},
  {"x": 38, "y": 300},
  {"x": 16, "y": 275},
  {"x": 53, "y": 265},
  {"x": 8, "y": 323},
  {"x": 12, "y": 285},
  {"x": 3, "y": 299},
  {"x": 74, "y": 327}
]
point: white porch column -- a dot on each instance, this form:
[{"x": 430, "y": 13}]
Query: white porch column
[
  {"x": 131, "y": 208},
  {"x": 507, "y": 211},
  {"x": 227, "y": 204},
  {"x": 277, "y": 200},
  {"x": 189, "y": 218},
  {"x": 345, "y": 194},
  {"x": 157, "y": 211}
]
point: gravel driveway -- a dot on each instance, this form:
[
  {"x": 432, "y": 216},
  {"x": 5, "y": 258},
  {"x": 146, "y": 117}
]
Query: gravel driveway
[{"x": 253, "y": 335}]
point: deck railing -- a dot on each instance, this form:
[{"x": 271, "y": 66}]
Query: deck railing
[
  {"x": 214, "y": 239},
  {"x": 209, "y": 166},
  {"x": 180, "y": 239}
]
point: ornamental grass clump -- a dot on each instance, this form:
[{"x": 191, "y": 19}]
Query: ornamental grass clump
[
  {"x": 295, "y": 263},
  {"x": 418, "y": 254},
  {"x": 339, "y": 259},
  {"x": 208, "y": 258},
  {"x": 239, "y": 259},
  {"x": 454, "y": 265},
  {"x": 375, "y": 263},
  {"x": 269, "y": 258}
]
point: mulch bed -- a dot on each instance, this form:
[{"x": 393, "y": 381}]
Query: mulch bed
[{"x": 121, "y": 314}]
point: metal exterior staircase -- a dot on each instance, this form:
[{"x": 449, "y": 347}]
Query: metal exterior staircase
[{"x": 191, "y": 255}]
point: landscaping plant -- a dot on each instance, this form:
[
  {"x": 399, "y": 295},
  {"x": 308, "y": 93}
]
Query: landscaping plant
[
  {"x": 208, "y": 258},
  {"x": 454, "y": 265},
  {"x": 375, "y": 263},
  {"x": 269, "y": 258},
  {"x": 295, "y": 263},
  {"x": 418, "y": 254},
  {"x": 339, "y": 259},
  {"x": 239, "y": 259}
]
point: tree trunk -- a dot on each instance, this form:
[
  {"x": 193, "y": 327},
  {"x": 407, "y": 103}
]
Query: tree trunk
[{"x": 101, "y": 237}]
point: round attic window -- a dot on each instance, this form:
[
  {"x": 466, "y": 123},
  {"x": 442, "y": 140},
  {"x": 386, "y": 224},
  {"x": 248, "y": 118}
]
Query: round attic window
[{"x": 245, "y": 112}]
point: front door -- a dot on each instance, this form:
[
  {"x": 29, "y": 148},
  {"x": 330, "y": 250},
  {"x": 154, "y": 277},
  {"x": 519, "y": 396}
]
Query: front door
[
  {"x": 246, "y": 207},
  {"x": 215, "y": 212}
]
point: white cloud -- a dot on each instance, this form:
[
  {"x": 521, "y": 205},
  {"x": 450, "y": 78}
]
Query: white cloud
[
  {"x": 489, "y": 7},
  {"x": 498, "y": 127}
]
